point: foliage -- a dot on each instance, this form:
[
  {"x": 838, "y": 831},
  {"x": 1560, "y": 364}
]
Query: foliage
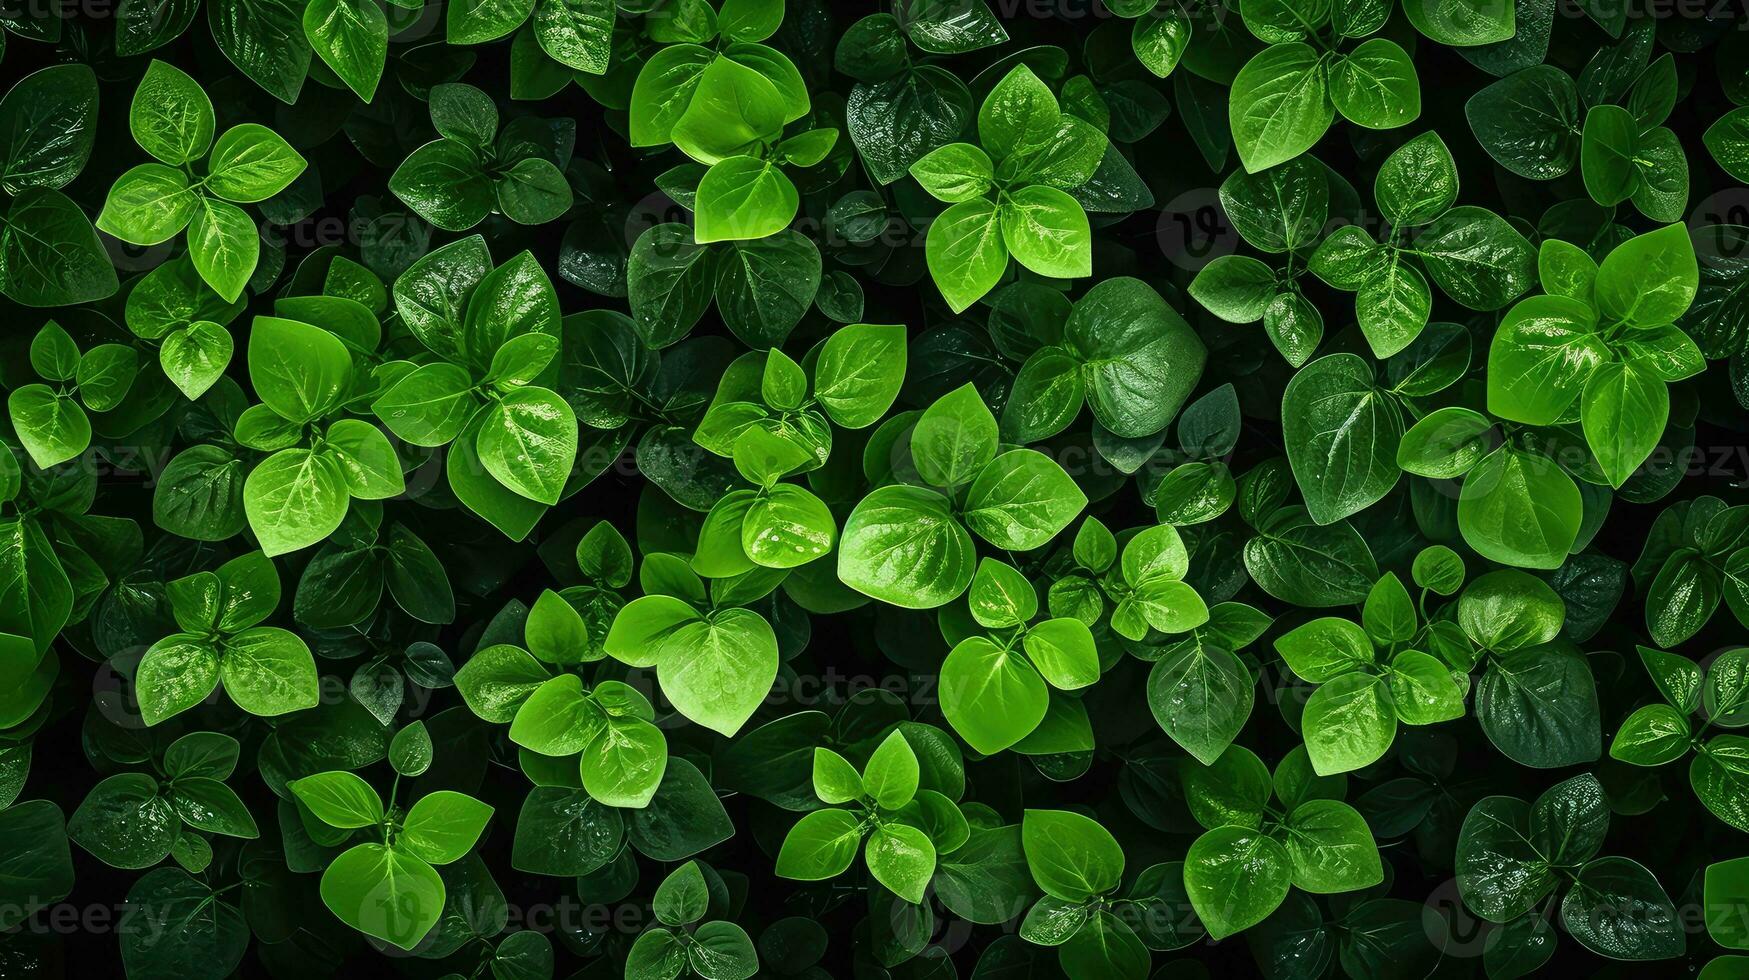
[{"x": 1127, "y": 490}]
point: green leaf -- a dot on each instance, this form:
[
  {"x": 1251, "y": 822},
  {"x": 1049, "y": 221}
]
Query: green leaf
[
  {"x": 965, "y": 251},
  {"x": 444, "y": 183},
  {"x": 1616, "y": 908},
  {"x": 1236, "y": 288},
  {"x": 1539, "y": 707},
  {"x": 52, "y": 427},
  {"x": 953, "y": 30},
  {"x": 1140, "y": 360},
  {"x": 821, "y": 845},
  {"x": 859, "y": 373},
  {"x": 1423, "y": 689},
  {"x": 1518, "y": 508},
  {"x": 1717, "y": 775},
  {"x": 1299, "y": 561},
  {"x": 171, "y": 117},
  {"x": 207, "y": 754},
  {"x": 1446, "y": 443},
  {"x": 722, "y": 951},
  {"x": 563, "y": 832},
  {"x": 251, "y": 163},
  {"x": 1283, "y": 208},
  {"x": 49, "y": 119},
  {"x": 1095, "y": 547},
  {"x": 664, "y": 89},
  {"x": 1727, "y": 140},
  {"x": 1071, "y": 857},
  {"x": 1389, "y": 614},
  {"x": 1477, "y": 257},
  {"x": 1499, "y": 872},
  {"x": 1159, "y": 39},
  {"x": 268, "y": 671},
  {"x": 339, "y": 799},
  {"x": 533, "y": 191},
  {"x": 625, "y": 765},
  {"x": 1662, "y": 194},
  {"x": 1063, "y": 651},
  {"x": 1392, "y": 304},
  {"x": 1331, "y": 848},
  {"x": 764, "y": 287},
  {"x": 293, "y": 499},
  {"x": 125, "y": 822},
  {"x": 1623, "y": 411},
  {"x": 385, "y": 893},
  {"x": 1650, "y": 279},
  {"x": 1418, "y": 182},
  {"x": 1566, "y": 270},
  {"x": 683, "y": 897},
  {"x": 176, "y": 673},
  {"x": 1235, "y": 878},
  {"x": 1653, "y": 735},
  {"x": 1607, "y": 157},
  {"x": 528, "y": 442},
  {"x": 955, "y": 438},
  {"x": 352, "y": 38},
  {"x": 224, "y": 246},
  {"x": 992, "y": 697},
  {"x": 300, "y": 371},
  {"x": 640, "y": 630},
  {"x": 1348, "y": 723},
  {"x": 555, "y": 632},
  {"x": 897, "y": 119},
  {"x": 200, "y": 494},
  {"x": 1541, "y": 357},
  {"x": 1280, "y": 105},
  {"x": 891, "y": 775},
  {"x": 443, "y": 825},
  {"x": 1324, "y": 649},
  {"x": 743, "y": 197},
  {"x": 656, "y": 955},
  {"x": 1105, "y": 946},
  {"x": 105, "y": 374},
  {"x": 428, "y": 406},
  {"x": 1047, "y": 232},
  {"x": 726, "y": 672},
  {"x": 732, "y": 110},
  {"x": 1021, "y": 500},
  {"x": 1017, "y": 113},
  {"x": 265, "y": 40},
  {"x": 148, "y": 205},
  {"x": 479, "y": 21},
  {"x": 787, "y": 527},
  {"x": 901, "y": 858},
  {"x": 50, "y": 254},
  {"x": 577, "y": 33},
  {"x": 1529, "y": 121},
  {"x": 1201, "y": 696},
  {"x": 1723, "y": 895},
  {"x": 1342, "y": 436},
  {"x": 834, "y": 779},
  {"x": 183, "y": 927},
  {"x": 1508, "y": 610},
  {"x": 955, "y": 173},
  {"x": 410, "y": 752},
  {"x": 557, "y": 719},
  {"x": 1462, "y": 24},
  {"x": 195, "y": 357},
  {"x": 1000, "y": 596},
  {"x": 1375, "y": 85}
]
